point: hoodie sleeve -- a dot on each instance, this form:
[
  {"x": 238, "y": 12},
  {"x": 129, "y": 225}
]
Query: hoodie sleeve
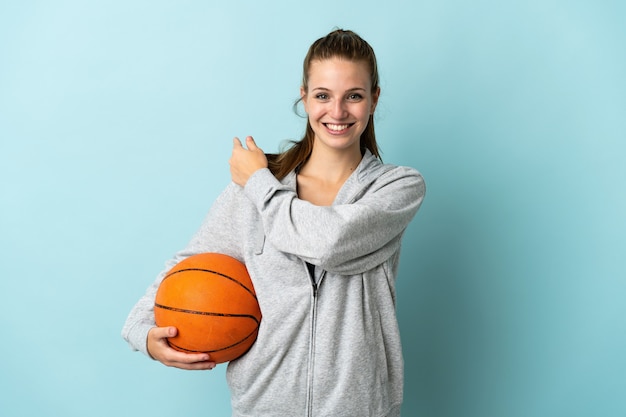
[
  {"x": 219, "y": 233},
  {"x": 343, "y": 238}
]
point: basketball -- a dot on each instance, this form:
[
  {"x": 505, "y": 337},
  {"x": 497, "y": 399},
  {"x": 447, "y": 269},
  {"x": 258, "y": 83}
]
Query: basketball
[{"x": 210, "y": 299}]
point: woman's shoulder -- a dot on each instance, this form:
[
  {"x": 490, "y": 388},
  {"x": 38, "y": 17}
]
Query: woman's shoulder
[
  {"x": 374, "y": 169},
  {"x": 232, "y": 197}
]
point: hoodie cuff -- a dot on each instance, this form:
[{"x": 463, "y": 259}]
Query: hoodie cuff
[
  {"x": 261, "y": 186},
  {"x": 138, "y": 338}
]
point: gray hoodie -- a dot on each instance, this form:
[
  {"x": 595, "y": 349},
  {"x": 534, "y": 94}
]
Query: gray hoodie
[{"x": 328, "y": 343}]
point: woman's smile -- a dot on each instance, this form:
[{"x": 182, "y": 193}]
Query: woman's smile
[{"x": 338, "y": 129}]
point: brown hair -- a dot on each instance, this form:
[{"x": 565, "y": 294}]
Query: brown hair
[{"x": 342, "y": 44}]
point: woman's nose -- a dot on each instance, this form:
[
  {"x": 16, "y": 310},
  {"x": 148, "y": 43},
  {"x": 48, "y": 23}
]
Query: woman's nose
[{"x": 338, "y": 110}]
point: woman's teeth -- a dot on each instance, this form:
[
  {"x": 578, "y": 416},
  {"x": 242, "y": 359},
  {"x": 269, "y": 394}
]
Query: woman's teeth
[{"x": 336, "y": 128}]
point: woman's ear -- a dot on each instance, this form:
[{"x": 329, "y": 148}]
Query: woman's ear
[
  {"x": 303, "y": 98},
  {"x": 375, "y": 96}
]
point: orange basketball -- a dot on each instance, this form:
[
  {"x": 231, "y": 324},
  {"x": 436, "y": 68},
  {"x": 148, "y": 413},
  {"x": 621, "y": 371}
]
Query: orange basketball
[{"x": 210, "y": 299}]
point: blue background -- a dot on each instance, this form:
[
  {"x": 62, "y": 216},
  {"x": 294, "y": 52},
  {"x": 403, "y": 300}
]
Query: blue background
[{"x": 116, "y": 120}]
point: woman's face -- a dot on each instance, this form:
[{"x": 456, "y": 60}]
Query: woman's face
[{"x": 339, "y": 102}]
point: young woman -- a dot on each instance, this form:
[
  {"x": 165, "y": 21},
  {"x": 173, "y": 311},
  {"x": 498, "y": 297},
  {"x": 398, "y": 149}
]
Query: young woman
[{"x": 319, "y": 228}]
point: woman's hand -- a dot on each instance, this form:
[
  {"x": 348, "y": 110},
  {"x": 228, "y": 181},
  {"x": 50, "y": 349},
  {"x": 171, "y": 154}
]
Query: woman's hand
[
  {"x": 245, "y": 162},
  {"x": 160, "y": 350}
]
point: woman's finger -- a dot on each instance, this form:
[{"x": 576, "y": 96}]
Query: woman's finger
[{"x": 251, "y": 144}]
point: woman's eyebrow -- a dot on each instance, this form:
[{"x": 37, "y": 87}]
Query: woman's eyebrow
[{"x": 347, "y": 91}]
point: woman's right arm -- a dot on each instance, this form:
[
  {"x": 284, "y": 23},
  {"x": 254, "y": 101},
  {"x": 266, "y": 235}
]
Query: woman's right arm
[{"x": 218, "y": 233}]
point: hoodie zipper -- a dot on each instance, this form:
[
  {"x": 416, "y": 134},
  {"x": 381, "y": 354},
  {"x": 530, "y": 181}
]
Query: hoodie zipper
[{"x": 315, "y": 288}]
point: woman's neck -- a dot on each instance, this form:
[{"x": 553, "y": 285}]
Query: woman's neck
[
  {"x": 331, "y": 166},
  {"x": 324, "y": 173}
]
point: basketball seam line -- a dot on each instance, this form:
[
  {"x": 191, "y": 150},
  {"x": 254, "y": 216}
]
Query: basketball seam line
[
  {"x": 212, "y": 272},
  {"x": 216, "y": 350},
  {"x": 205, "y": 313}
]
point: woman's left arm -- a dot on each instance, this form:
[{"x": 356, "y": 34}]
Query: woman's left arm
[{"x": 343, "y": 238}]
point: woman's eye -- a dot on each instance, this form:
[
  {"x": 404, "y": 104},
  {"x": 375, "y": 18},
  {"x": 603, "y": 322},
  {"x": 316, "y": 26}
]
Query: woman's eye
[
  {"x": 355, "y": 97},
  {"x": 321, "y": 96}
]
